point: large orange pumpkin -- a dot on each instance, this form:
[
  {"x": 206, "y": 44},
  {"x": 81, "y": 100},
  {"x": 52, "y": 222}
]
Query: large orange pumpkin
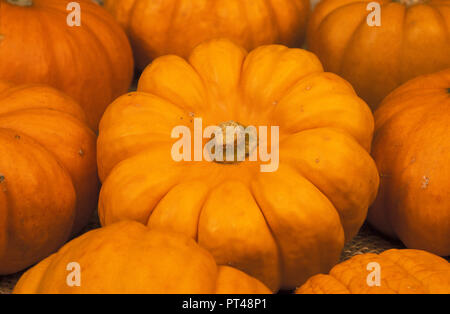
[
  {"x": 92, "y": 62},
  {"x": 412, "y": 151},
  {"x": 163, "y": 27},
  {"x": 400, "y": 272},
  {"x": 413, "y": 39},
  {"x": 280, "y": 227},
  {"x": 130, "y": 258},
  {"x": 48, "y": 173}
]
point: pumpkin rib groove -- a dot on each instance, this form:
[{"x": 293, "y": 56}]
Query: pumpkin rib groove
[
  {"x": 408, "y": 272},
  {"x": 72, "y": 38},
  {"x": 302, "y": 174},
  {"x": 169, "y": 30},
  {"x": 75, "y": 111},
  {"x": 105, "y": 56},
  {"x": 344, "y": 54},
  {"x": 274, "y": 19},
  {"x": 439, "y": 13},
  {"x": 244, "y": 10},
  {"x": 328, "y": 16},
  {"x": 297, "y": 81},
  {"x": 179, "y": 105},
  {"x": 280, "y": 256},
  {"x": 129, "y": 160},
  {"x": 208, "y": 194},
  {"x": 208, "y": 235},
  {"x": 305, "y": 174}
]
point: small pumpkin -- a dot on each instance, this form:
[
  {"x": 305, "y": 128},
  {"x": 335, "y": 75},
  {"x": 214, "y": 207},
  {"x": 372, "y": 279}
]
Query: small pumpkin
[
  {"x": 48, "y": 179},
  {"x": 281, "y": 226},
  {"x": 92, "y": 63},
  {"x": 412, "y": 150},
  {"x": 412, "y": 40},
  {"x": 400, "y": 272},
  {"x": 157, "y": 28},
  {"x": 127, "y": 257}
]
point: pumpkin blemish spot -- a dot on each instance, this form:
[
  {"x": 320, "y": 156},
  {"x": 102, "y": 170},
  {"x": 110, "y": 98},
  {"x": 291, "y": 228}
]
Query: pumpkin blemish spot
[
  {"x": 2, "y": 178},
  {"x": 81, "y": 152},
  {"x": 425, "y": 182},
  {"x": 17, "y": 137}
]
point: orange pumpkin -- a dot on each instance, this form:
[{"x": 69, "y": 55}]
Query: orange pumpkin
[
  {"x": 412, "y": 151},
  {"x": 48, "y": 173},
  {"x": 158, "y": 28},
  {"x": 412, "y": 40},
  {"x": 130, "y": 258},
  {"x": 281, "y": 226},
  {"x": 92, "y": 62},
  {"x": 400, "y": 272}
]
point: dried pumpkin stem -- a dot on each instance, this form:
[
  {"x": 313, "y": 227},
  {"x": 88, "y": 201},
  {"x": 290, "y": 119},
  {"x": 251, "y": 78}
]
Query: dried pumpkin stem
[
  {"x": 22, "y": 3},
  {"x": 238, "y": 140},
  {"x": 409, "y": 3}
]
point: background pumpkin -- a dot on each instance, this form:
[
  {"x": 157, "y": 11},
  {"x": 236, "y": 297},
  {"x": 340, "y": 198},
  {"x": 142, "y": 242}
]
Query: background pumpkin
[
  {"x": 158, "y": 28},
  {"x": 413, "y": 39},
  {"x": 48, "y": 173},
  {"x": 130, "y": 258},
  {"x": 92, "y": 63},
  {"x": 402, "y": 272},
  {"x": 412, "y": 151},
  {"x": 279, "y": 227}
]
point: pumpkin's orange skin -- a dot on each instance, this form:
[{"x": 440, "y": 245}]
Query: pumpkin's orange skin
[
  {"x": 48, "y": 180},
  {"x": 412, "y": 151},
  {"x": 92, "y": 63},
  {"x": 401, "y": 272},
  {"x": 127, "y": 257},
  {"x": 157, "y": 28},
  {"x": 280, "y": 227},
  {"x": 412, "y": 40}
]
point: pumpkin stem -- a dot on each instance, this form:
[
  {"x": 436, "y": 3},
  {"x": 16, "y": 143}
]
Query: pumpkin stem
[
  {"x": 238, "y": 140},
  {"x": 409, "y": 3},
  {"x": 22, "y": 3}
]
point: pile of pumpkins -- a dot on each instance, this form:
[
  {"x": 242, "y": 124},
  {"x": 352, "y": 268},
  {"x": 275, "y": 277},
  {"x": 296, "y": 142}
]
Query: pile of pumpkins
[{"x": 364, "y": 120}]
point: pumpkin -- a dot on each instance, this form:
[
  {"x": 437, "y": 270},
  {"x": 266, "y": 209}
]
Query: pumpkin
[
  {"x": 157, "y": 28},
  {"x": 400, "y": 272},
  {"x": 48, "y": 173},
  {"x": 412, "y": 151},
  {"x": 92, "y": 63},
  {"x": 127, "y": 257},
  {"x": 278, "y": 226},
  {"x": 412, "y": 40}
]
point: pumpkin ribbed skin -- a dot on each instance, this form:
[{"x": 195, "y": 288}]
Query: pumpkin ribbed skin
[
  {"x": 412, "y": 151},
  {"x": 161, "y": 27},
  {"x": 412, "y": 40},
  {"x": 48, "y": 179},
  {"x": 92, "y": 63},
  {"x": 401, "y": 272},
  {"x": 280, "y": 227},
  {"x": 127, "y": 257}
]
